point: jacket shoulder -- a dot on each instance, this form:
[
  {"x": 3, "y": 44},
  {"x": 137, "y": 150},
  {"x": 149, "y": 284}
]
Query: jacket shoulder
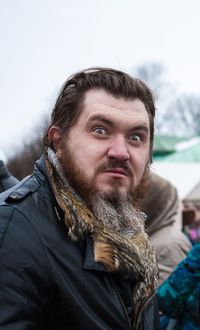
[
  {"x": 25, "y": 187},
  {"x": 10, "y": 201}
]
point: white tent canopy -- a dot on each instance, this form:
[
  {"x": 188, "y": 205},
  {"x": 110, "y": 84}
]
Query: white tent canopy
[{"x": 184, "y": 176}]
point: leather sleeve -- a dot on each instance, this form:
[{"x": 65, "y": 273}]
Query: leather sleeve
[{"x": 23, "y": 289}]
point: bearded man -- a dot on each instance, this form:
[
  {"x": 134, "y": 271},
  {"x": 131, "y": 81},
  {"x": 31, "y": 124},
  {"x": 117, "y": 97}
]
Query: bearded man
[{"x": 73, "y": 250}]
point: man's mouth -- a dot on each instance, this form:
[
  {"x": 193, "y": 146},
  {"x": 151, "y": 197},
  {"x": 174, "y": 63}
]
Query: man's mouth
[{"x": 116, "y": 172}]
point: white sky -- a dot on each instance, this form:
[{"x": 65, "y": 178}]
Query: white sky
[
  {"x": 43, "y": 41},
  {"x": 176, "y": 174}
]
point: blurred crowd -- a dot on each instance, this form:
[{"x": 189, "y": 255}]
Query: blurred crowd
[{"x": 173, "y": 228}]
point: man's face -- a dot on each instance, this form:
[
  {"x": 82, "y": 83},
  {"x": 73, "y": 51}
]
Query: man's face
[{"x": 108, "y": 147}]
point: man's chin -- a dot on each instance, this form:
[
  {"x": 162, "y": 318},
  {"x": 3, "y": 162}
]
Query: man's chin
[{"x": 112, "y": 190}]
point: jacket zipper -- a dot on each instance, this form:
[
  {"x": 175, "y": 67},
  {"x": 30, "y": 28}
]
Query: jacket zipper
[{"x": 137, "y": 318}]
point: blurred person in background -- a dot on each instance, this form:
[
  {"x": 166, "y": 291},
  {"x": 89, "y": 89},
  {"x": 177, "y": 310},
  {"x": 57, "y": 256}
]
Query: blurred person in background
[
  {"x": 74, "y": 253},
  {"x": 179, "y": 295},
  {"x": 191, "y": 221},
  {"x": 164, "y": 224},
  {"x": 7, "y": 180}
]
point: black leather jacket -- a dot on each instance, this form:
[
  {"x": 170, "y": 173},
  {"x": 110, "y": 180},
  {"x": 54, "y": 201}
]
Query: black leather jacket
[{"x": 48, "y": 281}]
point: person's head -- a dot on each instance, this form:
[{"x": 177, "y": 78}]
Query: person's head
[
  {"x": 102, "y": 130},
  {"x": 69, "y": 103}
]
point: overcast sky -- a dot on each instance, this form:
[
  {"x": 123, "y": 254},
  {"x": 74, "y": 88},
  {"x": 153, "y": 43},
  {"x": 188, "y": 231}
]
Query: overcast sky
[{"x": 43, "y": 41}]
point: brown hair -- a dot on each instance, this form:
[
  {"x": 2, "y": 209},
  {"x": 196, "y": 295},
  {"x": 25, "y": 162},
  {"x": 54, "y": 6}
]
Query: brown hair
[{"x": 70, "y": 100}]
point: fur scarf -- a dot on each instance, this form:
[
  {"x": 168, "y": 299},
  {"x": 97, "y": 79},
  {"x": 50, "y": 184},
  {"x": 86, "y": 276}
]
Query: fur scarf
[{"x": 132, "y": 257}]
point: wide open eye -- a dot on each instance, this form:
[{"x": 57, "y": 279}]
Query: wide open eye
[
  {"x": 99, "y": 130},
  {"x": 135, "y": 138}
]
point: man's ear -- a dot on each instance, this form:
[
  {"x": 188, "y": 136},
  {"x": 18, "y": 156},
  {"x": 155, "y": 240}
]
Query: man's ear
[{"x": 55, "y": 138}]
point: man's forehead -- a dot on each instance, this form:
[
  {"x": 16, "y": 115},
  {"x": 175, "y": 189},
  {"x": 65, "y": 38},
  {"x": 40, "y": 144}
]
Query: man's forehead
[
  {"x": 136, "y": 107},
  {"x": 102, "y": 97},
  {"x": 99, "y": 103}
]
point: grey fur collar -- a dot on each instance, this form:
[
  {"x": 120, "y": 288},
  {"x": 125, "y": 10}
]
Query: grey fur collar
[{"x": 132, "y": 257}]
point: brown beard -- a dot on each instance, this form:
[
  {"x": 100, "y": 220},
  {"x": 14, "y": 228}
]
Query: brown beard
[
  {"x": 122, "y": 248},
  {"x": 87, "y": 189}
]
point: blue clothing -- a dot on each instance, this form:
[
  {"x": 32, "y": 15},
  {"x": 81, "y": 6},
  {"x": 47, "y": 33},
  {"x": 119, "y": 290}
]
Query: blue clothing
[{"x": 179, "y": 295}]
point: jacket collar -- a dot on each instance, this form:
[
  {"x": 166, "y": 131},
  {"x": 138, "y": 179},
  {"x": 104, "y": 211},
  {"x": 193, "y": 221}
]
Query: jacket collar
[{"x": 89, "y": 262}]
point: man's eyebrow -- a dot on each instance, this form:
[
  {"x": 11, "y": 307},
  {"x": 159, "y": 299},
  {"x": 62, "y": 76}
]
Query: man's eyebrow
[
  {"x": 142, "y": 127},
  {"x": 101, "y": 118},
  {"x": 138, "y": 127}
]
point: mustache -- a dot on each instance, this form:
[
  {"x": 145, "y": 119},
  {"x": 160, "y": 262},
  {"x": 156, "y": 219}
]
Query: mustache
[{"x": 115, "y": 163}]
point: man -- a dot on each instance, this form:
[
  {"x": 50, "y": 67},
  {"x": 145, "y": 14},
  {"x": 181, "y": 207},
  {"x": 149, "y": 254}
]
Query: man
[
  {"x": 74, "y": 254},
  {"x": 6, "y": 179},
  {"x": 163, "y": 208}
]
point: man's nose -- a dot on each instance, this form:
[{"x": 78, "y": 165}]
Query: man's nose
[{"x": 118, "y": 149}]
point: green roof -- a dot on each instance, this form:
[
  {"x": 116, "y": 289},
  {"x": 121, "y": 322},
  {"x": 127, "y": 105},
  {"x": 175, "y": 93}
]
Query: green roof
[
  {"x": 176, "y": 149},
  {"x": 191, "y": 154},
  {"x": 165, "y": 143}
]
